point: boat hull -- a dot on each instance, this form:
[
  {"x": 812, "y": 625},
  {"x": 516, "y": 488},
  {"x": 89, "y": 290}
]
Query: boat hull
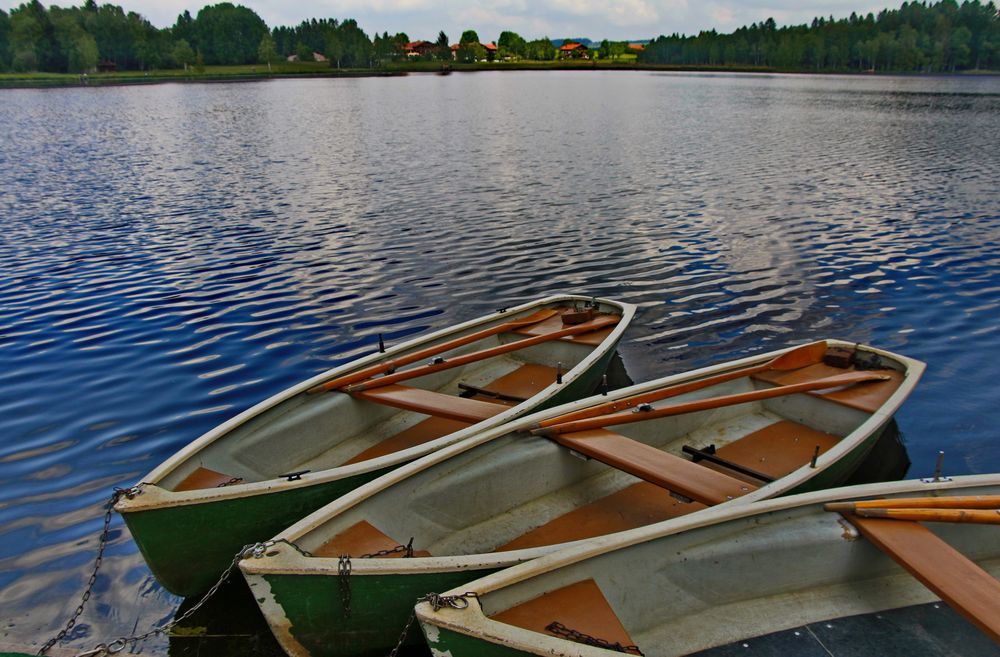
[
  {"x": 307, "y": 613},
  {"x": 290, "y": 621},
  {"x": 187, "y": 545}
]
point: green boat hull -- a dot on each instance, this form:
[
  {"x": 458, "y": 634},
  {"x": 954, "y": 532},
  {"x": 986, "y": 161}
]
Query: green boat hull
[
  {"x": 188, "y": 546},
  {"x": 380, "y": 608}
]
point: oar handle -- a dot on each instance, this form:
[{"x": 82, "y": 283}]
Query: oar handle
[
  {"x": 975, "y": 516},
  {"x": 952, "y": 502},
  {"x": 433, "y": 350},
  {"x": 638, "y": 415}
]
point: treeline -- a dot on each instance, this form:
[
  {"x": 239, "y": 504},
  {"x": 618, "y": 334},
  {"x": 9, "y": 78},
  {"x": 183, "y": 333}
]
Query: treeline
[
  {"x": 944, "y": 36},
  {"x": 917, "y": 37}
]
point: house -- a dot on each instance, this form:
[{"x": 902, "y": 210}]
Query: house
[
  {"x": 491, "y": 51},
  {"x": 106, "y": 66},
  {"x": 636, "y": 47},
  {"x": 418, "y": 48},
  {"x": 573, "y": 50}
]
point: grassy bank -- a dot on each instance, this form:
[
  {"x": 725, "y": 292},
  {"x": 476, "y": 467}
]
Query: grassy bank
[{"x": 323, "y": 69}]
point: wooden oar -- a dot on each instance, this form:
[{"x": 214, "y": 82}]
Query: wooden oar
[
  {"x": 593, "y": 325},
  {"x": 433, "y": 350},
  {"x": 955, "y": 502},
  {"x": 977, "y": 516},
  {"x": 794, "y": 359},
  {"x": 638, "y": 415}
]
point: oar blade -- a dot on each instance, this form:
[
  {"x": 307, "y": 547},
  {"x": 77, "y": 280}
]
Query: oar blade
[{"x": 807, "y": 354}]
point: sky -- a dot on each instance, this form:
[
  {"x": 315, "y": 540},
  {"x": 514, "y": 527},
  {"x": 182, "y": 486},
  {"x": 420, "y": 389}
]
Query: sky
[{"x": 594, "y": 19}]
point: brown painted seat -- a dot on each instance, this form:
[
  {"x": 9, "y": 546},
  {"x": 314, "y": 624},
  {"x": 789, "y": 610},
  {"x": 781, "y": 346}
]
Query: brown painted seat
[
  {"x": 637, "y": 505},
  {"x": 868, "y": 397},
  {"x": 520, "y": 385},
  {"x": 775, "y": 450},
  {"x": 655, "y": 466},
  {"x": 421, "y": 432},
  {"x": 429, "y": 402},
  {"x": 361, "y": 539},
  {"x": 579, "y": 607},
  {"x": 203, "y": 478},
  {"x": 966, "y": 587}
]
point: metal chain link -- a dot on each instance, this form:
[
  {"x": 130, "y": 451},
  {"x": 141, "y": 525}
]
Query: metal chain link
[
  {"x": 116, "y": 495},
  {"x": 344, "y": 568},
  {"x": 437, "y": 601},
  {"x": 557, "y": 628},
  {"x": 407, "y": 551},
  {"x": 344, "y": 575},
  {"x": 255, "y": 550}
]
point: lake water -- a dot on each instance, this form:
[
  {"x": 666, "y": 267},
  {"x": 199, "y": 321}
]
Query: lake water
[{"x": 172, "y": 254}]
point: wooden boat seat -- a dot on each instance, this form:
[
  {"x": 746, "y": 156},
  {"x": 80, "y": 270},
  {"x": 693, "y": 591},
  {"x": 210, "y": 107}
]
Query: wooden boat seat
[
  {"x": 419, "y": 433},
  {"x": 203, "y": 478},
  {"x": 429, "y": 402},
  {"x": 581, "y": 607},
  {"x": 637, "y": 505},
  {"x": 520, "y": 385},
  {"x": 361, "y": 539},
  {"x": 957, "y": 580},
  {"x": 775, "y": 450},
  {"x": 555, "y": 323},
  {"x": 868, "y": 397},
  {"x": 655, "y": 466}
]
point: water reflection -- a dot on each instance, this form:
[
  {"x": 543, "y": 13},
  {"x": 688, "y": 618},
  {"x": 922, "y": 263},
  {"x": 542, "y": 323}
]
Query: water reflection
[{"x": 174, "y": 253}]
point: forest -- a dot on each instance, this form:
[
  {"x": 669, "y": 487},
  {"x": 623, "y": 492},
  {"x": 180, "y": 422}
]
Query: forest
[{"x": 918, "y": 37}]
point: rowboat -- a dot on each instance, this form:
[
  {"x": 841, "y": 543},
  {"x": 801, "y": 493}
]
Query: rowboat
[
  {"x": 278, "y": 461},
  {"x": 770, "y": 424},
  {"x": 734, "y": 573}
]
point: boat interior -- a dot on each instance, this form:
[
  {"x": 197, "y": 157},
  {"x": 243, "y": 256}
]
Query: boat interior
[
  {"x": 525, "y": 491},
  {"x": 313, "y": 431},
  {"x": 794, "y": 566}
]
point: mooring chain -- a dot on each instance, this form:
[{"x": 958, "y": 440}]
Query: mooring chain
[
  {"x": 249, "y": 551},
  {"x": 102, "y": 544},
  {"x": 344, "y": 568},
  {"x": 459, "y": 601},
  {"x": 557, "y": 628},
  {"x": 407, "y": 551},
  {"x": 344, "y": 575}
]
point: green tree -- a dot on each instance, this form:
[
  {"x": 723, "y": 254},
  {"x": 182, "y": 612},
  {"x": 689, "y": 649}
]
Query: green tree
[
  {"x": 183, "y": 54},
  {"x": 469, "y": 36},
  {"x": 442, "y": 49},
  {"x": 266, "y": 52},
  {"x": 4, "y": 40},
  {"x": 304, "y": 52},
  {"x": 540, "y": 49},
  {"x": 511, "y": 44},
  {"x": 25, "y": 40},
  {"x": 229, "y": 34}
]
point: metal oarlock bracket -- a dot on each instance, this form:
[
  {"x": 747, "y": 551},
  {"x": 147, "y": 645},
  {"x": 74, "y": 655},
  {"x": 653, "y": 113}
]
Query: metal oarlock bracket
[{"x": 938, "y": 477}]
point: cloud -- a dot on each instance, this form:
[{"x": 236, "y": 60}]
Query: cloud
[{"x": 597, "y": 19}]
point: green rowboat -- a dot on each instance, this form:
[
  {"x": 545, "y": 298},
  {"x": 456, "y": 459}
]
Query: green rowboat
[
  {"x": 338, "y": 581},
  {"x": 268, "y": 467}
]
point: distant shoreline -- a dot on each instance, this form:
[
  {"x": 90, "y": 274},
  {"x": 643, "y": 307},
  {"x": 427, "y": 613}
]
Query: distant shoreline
[{"x": 323, "y": 70}]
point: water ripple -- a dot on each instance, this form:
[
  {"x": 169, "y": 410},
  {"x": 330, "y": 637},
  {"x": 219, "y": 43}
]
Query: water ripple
[{"x": 173, "y": 254}]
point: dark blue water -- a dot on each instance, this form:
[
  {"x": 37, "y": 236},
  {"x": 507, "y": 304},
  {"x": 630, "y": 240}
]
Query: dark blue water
[{"x": 173, "y": 254}]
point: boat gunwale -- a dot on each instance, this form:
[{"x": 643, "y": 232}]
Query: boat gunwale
[
  {"x": 475, "y": 623},
  {"x": 286, "y": 560},
  {"x": 155, "y": 497}
]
